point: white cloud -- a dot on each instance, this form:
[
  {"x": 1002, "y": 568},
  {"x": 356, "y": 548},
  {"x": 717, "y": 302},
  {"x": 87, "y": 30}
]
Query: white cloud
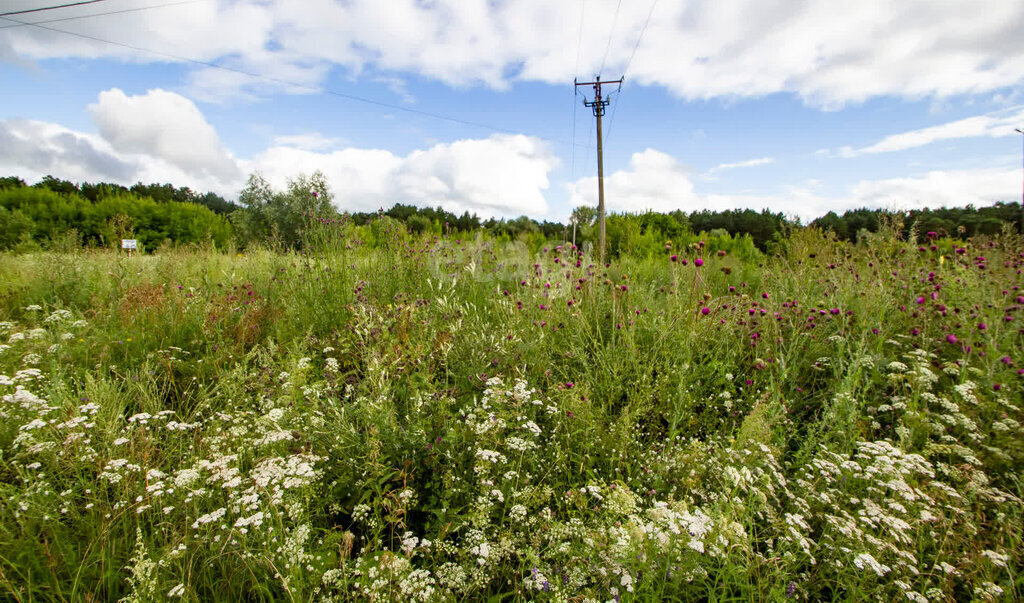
[
  {"x": 504, "y": 175},
  {"x": 743, "y": 164},
  {"x": 161, "y": 136},
  {"x": 983, "y": 186},
  {"x": 656, "y": 181},
  {"x": 829, "y": 53},
  {"x": 165, "y": 125},
  {"x": 992, "y": 125},
  {"x": 33, "y": 149}
]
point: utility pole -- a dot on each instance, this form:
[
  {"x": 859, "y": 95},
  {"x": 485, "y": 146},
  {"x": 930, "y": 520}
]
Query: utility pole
[{"x": 598, "y": 105}]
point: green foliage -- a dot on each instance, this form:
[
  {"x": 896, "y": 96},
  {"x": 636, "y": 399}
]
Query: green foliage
[
  {"x": 53, "y": 214},
  {"x": 382, "y": 415},
  {"x": 944, "y": 222},
  {"x": 15, "y": 228},
  {"x": 281, "y": 217}
]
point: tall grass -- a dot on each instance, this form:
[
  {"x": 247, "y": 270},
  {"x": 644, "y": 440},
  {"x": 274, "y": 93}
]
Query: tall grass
[{"x": 384, "y": 416}]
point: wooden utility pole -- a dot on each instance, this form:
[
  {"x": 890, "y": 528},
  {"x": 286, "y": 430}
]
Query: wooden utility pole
[{"x": 598, "y": 105}]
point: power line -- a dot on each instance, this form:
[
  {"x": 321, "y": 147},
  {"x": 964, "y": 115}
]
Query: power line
[
  {"x": 268, "y": 78},
  {"x": 579, "y": 44},
  {"x": 111, "y": 12},
  {"x": 610, "y": 33},
  {"x": 579, "y": 36},
  {"x": 611, "y": 122},
  {"x": 39, "y": 10},
  {"x": 640, "y": 37}
]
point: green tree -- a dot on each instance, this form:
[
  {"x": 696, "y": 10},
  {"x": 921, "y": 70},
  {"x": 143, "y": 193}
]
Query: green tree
[
  {"x": 15, "y": 227},
  {"x": 279, "y": 217}
]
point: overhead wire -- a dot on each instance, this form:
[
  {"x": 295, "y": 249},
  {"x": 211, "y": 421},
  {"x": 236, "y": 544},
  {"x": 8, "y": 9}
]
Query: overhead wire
[
  {"x": 284, "y": 82},
  {"x": 643, "y": 30},
  {"x": 91, "y": 15},
  {"x": 640, "y": 37},
  {"x": 45, "y": 8},
  {"x": 611, "y": 32},
  {"x": 575, "y": 89}
]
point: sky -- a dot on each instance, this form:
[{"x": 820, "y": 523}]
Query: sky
[{"x": 800, "y": 107}]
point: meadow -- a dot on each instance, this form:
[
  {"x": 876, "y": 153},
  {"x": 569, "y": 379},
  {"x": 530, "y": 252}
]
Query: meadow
[{"x": 384, "y": 416}]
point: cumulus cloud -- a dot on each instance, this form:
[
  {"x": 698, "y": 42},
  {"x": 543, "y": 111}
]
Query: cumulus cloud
[
  {"x": 161, "y": 136},
  {"x": 940, "y": 188},
  {"x": 827, "y": 53},
  {"x": 656, "y": 181},
  {"x": 165, "y": 125},
  {"x": 993, "y": 125},
  {"x": 34, "y": 149},
  {"x": 504, "y": 175}
]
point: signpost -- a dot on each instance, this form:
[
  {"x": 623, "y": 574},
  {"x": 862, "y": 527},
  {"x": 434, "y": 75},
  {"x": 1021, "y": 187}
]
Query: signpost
[{"x": 130, "y": 245}]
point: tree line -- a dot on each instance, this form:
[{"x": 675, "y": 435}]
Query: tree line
[
  {"x": 959, "y": 222},
  {"x": 54, "y": 210}
]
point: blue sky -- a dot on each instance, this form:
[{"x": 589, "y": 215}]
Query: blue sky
[{"x": 799, "y": 107}]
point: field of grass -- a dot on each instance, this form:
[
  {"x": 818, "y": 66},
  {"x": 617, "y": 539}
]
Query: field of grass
[{"x": 383, "y": 417}]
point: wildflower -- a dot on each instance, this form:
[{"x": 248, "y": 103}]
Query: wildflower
[
  {"x": 997, "y": 559},
  {"x": 951, "y": 338},
  {"x": 698, "y": 262},
  {"x": 865, "y": 559}
]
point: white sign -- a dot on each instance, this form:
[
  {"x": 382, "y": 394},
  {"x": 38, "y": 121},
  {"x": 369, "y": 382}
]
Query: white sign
[{"x": 129, "y": 244}]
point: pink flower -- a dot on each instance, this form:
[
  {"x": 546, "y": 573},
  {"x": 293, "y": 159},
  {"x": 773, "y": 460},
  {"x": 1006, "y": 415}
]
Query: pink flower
[
  {"x": 951, "y": 338},
  {"x": 698, "y": 262},
  {"x": 705, "y": 310}
]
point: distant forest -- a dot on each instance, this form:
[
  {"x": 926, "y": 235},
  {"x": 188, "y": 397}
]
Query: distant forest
[{"x": 55, "y": 212}]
